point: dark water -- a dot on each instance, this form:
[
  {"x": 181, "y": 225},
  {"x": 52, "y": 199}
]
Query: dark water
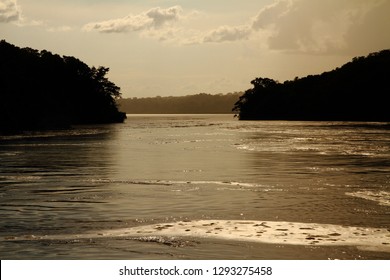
[{"x": 184, "y": 167}]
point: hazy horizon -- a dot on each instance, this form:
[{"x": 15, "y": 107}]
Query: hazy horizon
[{"x": 178, "y": 48}]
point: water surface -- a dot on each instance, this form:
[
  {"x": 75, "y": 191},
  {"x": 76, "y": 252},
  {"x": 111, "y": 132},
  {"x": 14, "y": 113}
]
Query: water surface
[{"x": 166, "y": 168}]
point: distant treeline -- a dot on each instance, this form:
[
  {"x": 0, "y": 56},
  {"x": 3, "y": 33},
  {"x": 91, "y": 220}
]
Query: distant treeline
[
  {"x": 357, "y": 91},
  {"x": 191, "y": 104},
  {"x": 41, "y": 90}
]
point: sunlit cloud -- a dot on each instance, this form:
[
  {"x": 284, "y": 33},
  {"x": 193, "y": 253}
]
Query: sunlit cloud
[
  {"x": 228, "y": 33},
  {"x": 315, "y": 26},
  {"x": 9, "y": 11},
  {"x": 156, "y": 23},
  {"x": 159, "y": 17},
  {"x": 310, "y": 26},
  {"x": 307, "y": 26},
  {"x": 154, "y": 18}
]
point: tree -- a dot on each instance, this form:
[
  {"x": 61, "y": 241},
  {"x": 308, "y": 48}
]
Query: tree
[
  {"x": 40, "y": 90},
  {"x": 356, "y": 91}
]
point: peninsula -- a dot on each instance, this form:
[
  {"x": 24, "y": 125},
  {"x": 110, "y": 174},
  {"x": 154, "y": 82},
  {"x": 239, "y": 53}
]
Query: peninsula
[
  {"x": 357, "y": 91},
  {"x": 41, "y": 90}
]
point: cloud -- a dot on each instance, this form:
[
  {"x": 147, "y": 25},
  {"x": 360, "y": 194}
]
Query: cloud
[
  {"x": 9, "y": 11},
  {"x": 157, "y": 23},
  {"x": 371, "y": 32},
  {"x": 154, "y": 18},
  {"x": 306, "y": 26},
  {"x": 227, "y": 33},
  {"x": 269, "y": 15},
  {"x": 318, "y": 26},
  {"x": 313, "y": 26},
  {"x": 161, "y": 16}
]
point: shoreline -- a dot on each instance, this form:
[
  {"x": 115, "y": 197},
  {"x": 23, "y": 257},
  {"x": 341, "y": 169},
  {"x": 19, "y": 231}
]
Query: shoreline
[{"x": 251, "y": 231}]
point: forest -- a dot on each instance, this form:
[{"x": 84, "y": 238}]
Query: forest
[
  {"x": 41, "y": 90},
  {"x": 356, "y": 91},
  {"x": 201, "y": 103}
]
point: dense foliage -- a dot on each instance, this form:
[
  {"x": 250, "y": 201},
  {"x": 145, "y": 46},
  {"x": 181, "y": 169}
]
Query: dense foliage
[
  {"x": 357, "y": 91},
  {"x": 201, "y": 103},
  {"x": 40, "y": 90}
]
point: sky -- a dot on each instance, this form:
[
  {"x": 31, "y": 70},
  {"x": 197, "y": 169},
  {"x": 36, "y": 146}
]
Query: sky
[{"x": 173, "y": 48}]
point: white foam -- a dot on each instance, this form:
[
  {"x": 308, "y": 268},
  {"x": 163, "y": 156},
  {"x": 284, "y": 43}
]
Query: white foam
[
  {"x": 289, "y": 233},
  {"x": 381, "y": 197},
  {"x": 172, "y": 183}
]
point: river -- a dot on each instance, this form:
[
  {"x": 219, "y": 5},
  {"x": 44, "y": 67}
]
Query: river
[{"x": 72, "y": 194}]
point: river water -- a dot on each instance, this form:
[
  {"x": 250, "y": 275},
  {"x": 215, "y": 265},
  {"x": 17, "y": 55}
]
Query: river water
[{"x": 156, "y": 169}]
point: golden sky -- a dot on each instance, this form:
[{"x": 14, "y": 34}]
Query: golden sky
[{"x": 164, "y": 47}]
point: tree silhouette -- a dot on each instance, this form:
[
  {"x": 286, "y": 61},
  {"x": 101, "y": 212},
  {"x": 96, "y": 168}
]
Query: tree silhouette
[
  {"x": 41, "y": 90},
  {"x": 201, "y": 103},
  {"x": 357, "y": 91}
]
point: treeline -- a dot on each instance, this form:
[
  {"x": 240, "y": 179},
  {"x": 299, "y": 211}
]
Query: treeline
[
  {"x": 41, "y": 90},
  {"x": 191, "y": 104},
  {"x": 357, "y": 91}
]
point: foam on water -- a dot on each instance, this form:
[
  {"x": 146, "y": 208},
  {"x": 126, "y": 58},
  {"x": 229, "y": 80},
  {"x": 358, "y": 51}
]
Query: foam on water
[
  {"x": 172, "y": 183},
  {"x": 381, "y": 197},
  {"x": 275, "y": 232}
]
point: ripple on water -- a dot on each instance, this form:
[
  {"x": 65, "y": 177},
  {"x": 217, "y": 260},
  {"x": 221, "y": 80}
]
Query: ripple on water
[{"x": 381, "y": 197}]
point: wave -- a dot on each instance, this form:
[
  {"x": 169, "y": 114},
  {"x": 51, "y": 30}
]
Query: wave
[
  {"x": 174, "y": 183},
  {"x": 39, "y": 135},
  {"x": 274, "y": 232},
  {"x": 20, "y": 178},
  {"x": 381, "y": 197},
  {"x": 343, "y": 150}
]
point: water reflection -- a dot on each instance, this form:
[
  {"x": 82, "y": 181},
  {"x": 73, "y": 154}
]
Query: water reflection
[
  {"x": 317, "y": 166},
  {"x": 169, "y": 168},
  {"x": 48, "y": 178}
]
